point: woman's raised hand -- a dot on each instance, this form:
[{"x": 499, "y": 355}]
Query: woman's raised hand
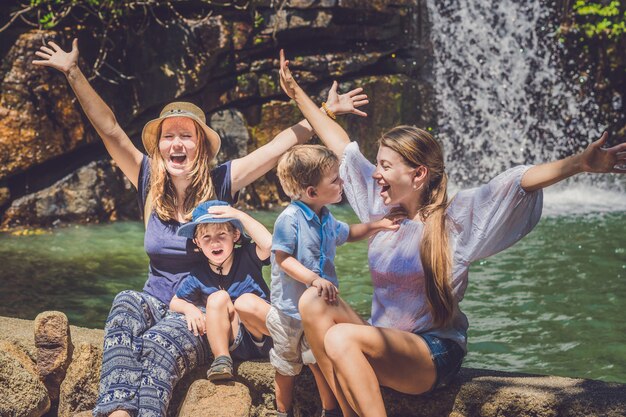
[
  {"x": 604, "y": 160},
  {"x": 287, "y": 82},
  {"x": 55, "y": 57},
  {"x": 348, "y": 102},
  {"x": 337, "y": 103}
]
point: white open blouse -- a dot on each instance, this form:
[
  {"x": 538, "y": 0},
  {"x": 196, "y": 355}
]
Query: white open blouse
[{"x": 482, "y": 221}]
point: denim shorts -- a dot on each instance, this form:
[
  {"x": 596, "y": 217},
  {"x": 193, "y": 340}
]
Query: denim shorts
[{"x": 447, "y": 356}]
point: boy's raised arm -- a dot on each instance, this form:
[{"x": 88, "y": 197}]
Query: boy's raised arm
[{"x": 259, "y": 233}]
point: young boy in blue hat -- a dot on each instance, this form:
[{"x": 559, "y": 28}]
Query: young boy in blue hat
[{"x": 229, "y": 286}]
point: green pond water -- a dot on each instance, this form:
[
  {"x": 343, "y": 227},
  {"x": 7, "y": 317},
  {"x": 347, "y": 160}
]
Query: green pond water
[{"x": 552, "y": 304}]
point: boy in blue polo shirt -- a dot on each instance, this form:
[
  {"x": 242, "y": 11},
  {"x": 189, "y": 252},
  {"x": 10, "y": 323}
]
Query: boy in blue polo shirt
[
  {"x": 229, "y": 285},
  {"x": 303, "y": 251}
]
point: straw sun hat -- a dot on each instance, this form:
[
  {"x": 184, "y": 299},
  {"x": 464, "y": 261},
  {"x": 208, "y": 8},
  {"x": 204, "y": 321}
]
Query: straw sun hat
[{"x": 178, "y": 109}]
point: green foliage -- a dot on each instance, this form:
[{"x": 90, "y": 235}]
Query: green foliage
[
  {"x": 258, "y": 20},
  {"x": 109, "y": 21},
  {"x": 597, "y": 20}
]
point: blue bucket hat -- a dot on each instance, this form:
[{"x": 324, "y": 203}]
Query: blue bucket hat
[{"x": 201, "y": 215}]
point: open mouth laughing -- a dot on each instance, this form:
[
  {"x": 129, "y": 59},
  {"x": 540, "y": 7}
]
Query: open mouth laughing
[{"x": 178, "y": 158}]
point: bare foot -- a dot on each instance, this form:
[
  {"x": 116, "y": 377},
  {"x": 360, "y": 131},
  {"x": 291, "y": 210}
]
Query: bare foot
[{"x": 119, "y": 413}]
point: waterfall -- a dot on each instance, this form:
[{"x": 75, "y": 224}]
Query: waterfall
[{"x": 503, "y": 98}]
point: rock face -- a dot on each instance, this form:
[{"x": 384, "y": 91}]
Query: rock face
[
  {"x": 38, "y": 117},
  {"x": 473, "y": 393},
  {"x": 54, "y": 349},
  {"x": 226, "y": 63}
]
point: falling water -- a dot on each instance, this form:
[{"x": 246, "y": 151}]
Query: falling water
[{"x": 503, "y": 98}]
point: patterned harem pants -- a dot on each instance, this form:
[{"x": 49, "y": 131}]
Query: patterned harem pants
[{"x": 146, "y": 352}]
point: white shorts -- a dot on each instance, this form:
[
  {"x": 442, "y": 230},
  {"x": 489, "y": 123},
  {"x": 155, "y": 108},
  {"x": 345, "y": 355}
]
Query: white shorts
[{"x": 291, "y": 350}]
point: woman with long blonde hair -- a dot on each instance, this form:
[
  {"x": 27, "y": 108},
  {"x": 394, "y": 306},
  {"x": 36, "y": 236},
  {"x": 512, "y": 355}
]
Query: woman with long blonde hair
[
  {"x": 415, "y": 340},
  {"x": 147, "y": 350}
]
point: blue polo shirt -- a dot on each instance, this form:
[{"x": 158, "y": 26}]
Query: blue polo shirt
[{"x": 310, "y": 239}]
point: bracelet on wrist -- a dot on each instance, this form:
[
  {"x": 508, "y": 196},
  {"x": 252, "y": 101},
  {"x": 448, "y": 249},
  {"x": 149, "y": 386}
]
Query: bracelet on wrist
[{"x": 328, "y": 111}]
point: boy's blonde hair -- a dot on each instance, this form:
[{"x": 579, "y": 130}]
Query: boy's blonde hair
[
  {"x": 202, "y": 227},
  {"x": 304, "y": 166}
]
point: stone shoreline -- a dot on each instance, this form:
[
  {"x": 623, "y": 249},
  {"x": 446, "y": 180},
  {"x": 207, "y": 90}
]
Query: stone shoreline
[{"x": 475, "y": 392}]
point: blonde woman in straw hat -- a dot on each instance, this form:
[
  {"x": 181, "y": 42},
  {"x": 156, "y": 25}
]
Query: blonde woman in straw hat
[{"x": 147, "y": 351}]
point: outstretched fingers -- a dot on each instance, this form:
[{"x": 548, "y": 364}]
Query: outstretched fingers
[
  {"x": 354, "y": 92},
  {"x": 54, "y": 46},
  {"x": 618, "y": 149},
  {"x": 46, "y": 50},
  {"x": 43, "y": 55}
]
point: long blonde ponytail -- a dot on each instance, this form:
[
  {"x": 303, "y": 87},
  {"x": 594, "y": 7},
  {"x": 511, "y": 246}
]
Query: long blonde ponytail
[{"x": 419, "y": 148}]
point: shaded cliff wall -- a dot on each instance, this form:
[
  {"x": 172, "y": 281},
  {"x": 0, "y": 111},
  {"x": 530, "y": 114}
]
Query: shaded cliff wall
[{"x": 53, "y": 168}]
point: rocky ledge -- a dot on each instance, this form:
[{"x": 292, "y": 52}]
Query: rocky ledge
[{"x": 50, "y": 368}]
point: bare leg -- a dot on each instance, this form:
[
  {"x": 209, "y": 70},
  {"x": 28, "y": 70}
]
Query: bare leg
[
  {"x": 283, "y": 385},
  {"x": 329, "y": 402},
  {"x": 119, "y": 413},
  {"x": 365, "y": 357},
  {"x": 222, "y": 323},
  {"x": 317, "y": 318},
  {"x": 252, "y": 311}
]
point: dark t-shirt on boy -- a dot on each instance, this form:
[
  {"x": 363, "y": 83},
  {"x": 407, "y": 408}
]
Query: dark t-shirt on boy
[{"x": 244, "y": 277}]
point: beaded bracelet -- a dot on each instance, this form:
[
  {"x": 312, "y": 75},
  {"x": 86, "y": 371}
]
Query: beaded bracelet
[{"x": 328, "y": 111}]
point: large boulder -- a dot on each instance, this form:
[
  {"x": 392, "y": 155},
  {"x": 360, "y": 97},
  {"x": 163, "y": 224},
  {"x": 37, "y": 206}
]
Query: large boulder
[
  {"x": 22, "y": 393},
  {"x": 96, "y": 192},
  {"x": 21, "y": 353},
  {"x": 79, "y": 389}
]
